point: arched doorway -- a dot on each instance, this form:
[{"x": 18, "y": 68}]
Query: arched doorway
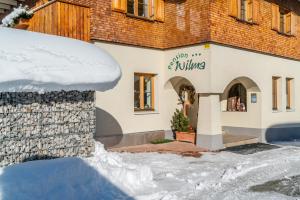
[{"x": 183, "y": 93}]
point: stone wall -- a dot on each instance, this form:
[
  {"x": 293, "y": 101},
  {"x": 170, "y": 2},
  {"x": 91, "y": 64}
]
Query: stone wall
[{"x": 42, "y": 126}]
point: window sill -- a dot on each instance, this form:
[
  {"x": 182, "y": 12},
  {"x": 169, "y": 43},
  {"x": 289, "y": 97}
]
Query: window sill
[
  {"x": 226, "y": 111},
  {"x": 145, "y": 112},
  {"x": 290, "y": 110},
  {"x": 140, "y": 17},
  {"x": 244, "y": 21},
  {"x": 284, "y": 34},
  {"x": 276, "y": 111}
]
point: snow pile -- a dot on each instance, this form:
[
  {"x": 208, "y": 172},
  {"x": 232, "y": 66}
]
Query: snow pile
[
  {"x": 103, "y": 176},
  {"x": 13, "y": 18},
  {"x": 112, "y": 176},
  {"x": 39, "y": 62},
  {"x": 111, "y": 165},
  {"x": 240, "y": 170}
]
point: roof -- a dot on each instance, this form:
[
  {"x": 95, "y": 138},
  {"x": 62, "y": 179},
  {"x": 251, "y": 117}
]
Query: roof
[{"x": 38, "y": 62}]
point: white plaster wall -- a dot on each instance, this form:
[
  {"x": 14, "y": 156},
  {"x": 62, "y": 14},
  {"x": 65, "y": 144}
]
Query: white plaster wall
[
  {"x": 229, "y": 63},
  {"x": 119, "y": 102},
  {"x": 200, "y": 79},
  {"x": 249, "y": 119},
  {"x": 241, "y": 119},
  {"x": 223, "y": 64}
]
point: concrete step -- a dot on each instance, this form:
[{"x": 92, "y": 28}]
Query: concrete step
[{"x": 237, "y": 140}]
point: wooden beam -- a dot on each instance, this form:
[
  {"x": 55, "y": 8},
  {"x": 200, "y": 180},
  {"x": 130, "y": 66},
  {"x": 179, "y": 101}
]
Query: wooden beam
[
  {"x": 43, "y": 6},
  {"x": 152, "y": 92},
  {"x": 142, "y": 92},
  {"x": 5, "y": 6},
  {"x": 9, "y": 2}
]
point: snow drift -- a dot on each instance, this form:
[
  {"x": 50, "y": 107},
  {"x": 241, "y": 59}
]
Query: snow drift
[
  {"x": 38, "y": 62},
  {"x": 153, "y": 176},
  {"x": 103, "y": 176}
]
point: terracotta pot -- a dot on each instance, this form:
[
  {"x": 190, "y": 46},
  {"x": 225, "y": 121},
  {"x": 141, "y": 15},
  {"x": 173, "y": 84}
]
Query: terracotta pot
[{"x": 186, "y": 137}]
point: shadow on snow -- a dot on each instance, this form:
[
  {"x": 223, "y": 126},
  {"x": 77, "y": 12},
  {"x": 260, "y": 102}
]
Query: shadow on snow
[{"x": 63, "y": 178}]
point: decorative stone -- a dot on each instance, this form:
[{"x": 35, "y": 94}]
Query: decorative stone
[{"x": 44, "y": 126}]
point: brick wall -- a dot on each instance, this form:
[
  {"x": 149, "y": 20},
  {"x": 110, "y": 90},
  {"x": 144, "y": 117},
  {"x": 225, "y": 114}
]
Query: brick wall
[
  {"x": 193, "y": 21},
  {"x": 190, "y": 22},
  {"x": 186, "y": 22},
  {"x": 108, "y": 25},
  {"x": 227, "y": 30}
]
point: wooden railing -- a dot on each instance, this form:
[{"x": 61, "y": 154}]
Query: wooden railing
[{"x": 59, "y": 18}]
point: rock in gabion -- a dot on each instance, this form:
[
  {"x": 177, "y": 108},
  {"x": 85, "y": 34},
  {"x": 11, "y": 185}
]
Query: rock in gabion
[{"x": 43, "y": 126}]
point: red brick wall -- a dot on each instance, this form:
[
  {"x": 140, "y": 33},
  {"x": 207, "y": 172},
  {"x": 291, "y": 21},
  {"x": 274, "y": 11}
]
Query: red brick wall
[
  {"x": 108, "y": 25},
  {"x": 194, "y": 21},
  {"x": 227, "y": 30},
  {"x": 190, "y": 22},
  {"x": 186, "y": 22}
]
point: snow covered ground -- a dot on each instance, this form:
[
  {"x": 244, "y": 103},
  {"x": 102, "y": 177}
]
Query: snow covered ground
[{"x": 151, "y": 176}]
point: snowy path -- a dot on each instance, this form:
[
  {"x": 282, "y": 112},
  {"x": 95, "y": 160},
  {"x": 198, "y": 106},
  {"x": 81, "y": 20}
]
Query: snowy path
[
  {"x": 150, "y": 176},
  {"x": 218, "y": 176}
]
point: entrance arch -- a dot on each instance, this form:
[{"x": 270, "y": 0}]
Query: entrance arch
[
  {"x": 241, "y": 84},
  {"x": 183, "y": 93},
  {"x": 241, "y": 107}
]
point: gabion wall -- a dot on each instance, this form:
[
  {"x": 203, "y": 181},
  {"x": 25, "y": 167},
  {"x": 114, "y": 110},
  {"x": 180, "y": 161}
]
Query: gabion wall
[{"x": 43, "y": 126}]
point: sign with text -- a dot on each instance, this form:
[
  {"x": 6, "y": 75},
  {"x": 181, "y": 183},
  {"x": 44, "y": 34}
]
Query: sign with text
[{"x": 187, "y": 62}]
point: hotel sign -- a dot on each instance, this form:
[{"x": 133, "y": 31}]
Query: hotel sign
[{"x": 187, "y": 62}]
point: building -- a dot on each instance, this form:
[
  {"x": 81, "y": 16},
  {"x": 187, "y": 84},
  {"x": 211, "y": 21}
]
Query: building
[{"x": 241, "y": 57}]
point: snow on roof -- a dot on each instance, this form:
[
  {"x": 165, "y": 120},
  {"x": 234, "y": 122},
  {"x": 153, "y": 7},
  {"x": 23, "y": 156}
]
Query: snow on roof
[{"x": 38, "y": 62}]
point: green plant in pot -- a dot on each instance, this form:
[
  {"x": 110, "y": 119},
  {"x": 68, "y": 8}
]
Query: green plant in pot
[{"x": 180, "y": 124}]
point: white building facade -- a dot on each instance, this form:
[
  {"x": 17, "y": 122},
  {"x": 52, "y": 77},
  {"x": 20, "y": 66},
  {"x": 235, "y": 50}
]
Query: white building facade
[{"x": 264, "y": 87}]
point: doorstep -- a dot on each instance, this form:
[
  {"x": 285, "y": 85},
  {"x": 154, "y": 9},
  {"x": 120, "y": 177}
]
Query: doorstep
[
  {"x": 180, "y": 148},
  {"x": 238, "y": 140}
]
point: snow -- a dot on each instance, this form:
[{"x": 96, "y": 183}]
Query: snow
[
  {"x": 10, "y": 19},
  {"x": 104, "y": 175},
  {"x": 295, "y": 142},
  {"x": 38, "y": 62},
  {"x": 110, "y": 165},
  {"x": 151, "y": 176}
]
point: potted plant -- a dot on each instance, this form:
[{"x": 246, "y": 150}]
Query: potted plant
[{"x": 183, "y": 131}]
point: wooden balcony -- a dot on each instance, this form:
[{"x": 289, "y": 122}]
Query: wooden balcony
[{"x": 57, "y": 17}]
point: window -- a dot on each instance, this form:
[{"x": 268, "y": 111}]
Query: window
[
  {"x": 289, "y": 93},
  {"x": 150, "y": 9},
  {"x": 139, "y": 7},
  {"x": 245, "y": 10},
  {"x": 283, "y": 20},
  {"x": 237, "y": 98},
  {"x": 130, "y": 7},
  {"x": 143, "y": 91},
  {"x": 276, "y": 91}
]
